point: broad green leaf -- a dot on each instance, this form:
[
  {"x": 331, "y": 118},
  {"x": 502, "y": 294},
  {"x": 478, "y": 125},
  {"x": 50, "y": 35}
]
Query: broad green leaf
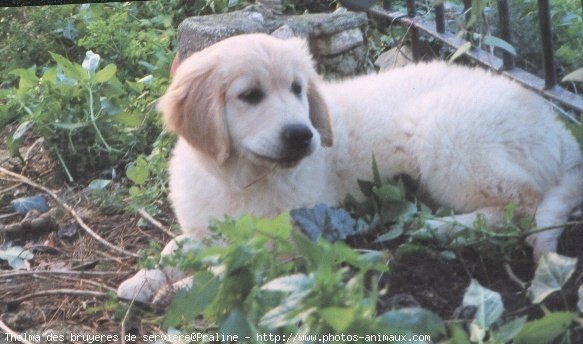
[
  {"x": 508, "y": 331},
  {"x": 580, "y": 302},
  {"x": 236, "y": 324},
  {"x": 323, "y": 221},
  {"x": 190, "y": 303},
  {"x": 138, "y": 172},
  {"x": 574, "y": 76},
  {"x": 393, "y": 233},
  {"x": 106, "y": 73},
  {"x": 291, "y": 284},
  {"x": 460, "y": 51},
  {"x": 499, "y": 43},
  {"x": 413, "y": 320},
  {"x": 375, "y": 172},
  {"x": 338, "y": 317},
  {"x": 544, "y": 330},
  {"x": 99, "y": 184},
  {"x": 388, "y": 193},
  {"x": 28, "y": 78},
  {"x": 15, "y": 256},
  {"x": 488, "y": 303},
  {"x": 67, "y": 66},
  {"x": 109, "y": 107},
  {"x": 280, "y": 227},
  {"x": 551, "y": 274}
]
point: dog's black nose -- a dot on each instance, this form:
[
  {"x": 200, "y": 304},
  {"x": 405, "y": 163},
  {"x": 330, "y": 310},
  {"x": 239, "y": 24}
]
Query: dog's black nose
[{"x": 296, "y": 137}]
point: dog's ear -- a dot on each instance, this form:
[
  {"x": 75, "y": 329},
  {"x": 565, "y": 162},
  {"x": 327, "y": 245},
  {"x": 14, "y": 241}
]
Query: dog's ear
[
  {"x": 319, "y": 115},
  {"x": 193, "y": 108}
]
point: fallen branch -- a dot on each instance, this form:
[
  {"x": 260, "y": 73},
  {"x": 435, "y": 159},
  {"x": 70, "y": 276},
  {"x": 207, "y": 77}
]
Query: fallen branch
[
  {"x": 66, "y": 273},
  {"x": 144, "y": 214},
  {"x": 11, "y": 332},
  {"x": 73, "y": 292},
  {"x": 70, "y": 210}
]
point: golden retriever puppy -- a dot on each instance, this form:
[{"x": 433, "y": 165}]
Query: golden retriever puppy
[{"x": 261, "y": 133}]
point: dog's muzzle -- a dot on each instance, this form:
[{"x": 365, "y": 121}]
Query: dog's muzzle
[{"x": 296, "y": 142}]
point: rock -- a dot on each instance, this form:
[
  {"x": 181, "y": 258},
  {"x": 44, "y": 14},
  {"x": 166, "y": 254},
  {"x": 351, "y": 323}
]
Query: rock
[{"x": 337, "y": 40}]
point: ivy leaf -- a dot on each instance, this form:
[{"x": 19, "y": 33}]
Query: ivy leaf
[
  {"x": 25, "y": 204},
  {"x": 236, "y": 324},
  {"x": 544, "y": 330},
  {"x": 326, "y": 222},
  {"x": 509, "y": 330},
  {"x": 488, "y": 303},
  {"x": 551, "y": 274},
  {"x": 15, "y": 256}
]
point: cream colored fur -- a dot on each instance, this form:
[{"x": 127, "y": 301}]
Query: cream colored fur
[{"x": 475, "y": 141}]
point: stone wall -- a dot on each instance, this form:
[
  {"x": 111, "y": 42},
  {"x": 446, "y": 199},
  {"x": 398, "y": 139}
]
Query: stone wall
[{"x": 337, "y": 40}]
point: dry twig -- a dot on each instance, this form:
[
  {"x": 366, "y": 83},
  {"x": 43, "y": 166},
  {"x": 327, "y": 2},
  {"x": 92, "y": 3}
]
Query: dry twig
[
  {"x": 56, "y": 272},
  {"x": 143, "y": 213},
  {"x": 74, "y": 292},
  {"x": 11, "y": 332},
  {"x": 70, "y": 210}
]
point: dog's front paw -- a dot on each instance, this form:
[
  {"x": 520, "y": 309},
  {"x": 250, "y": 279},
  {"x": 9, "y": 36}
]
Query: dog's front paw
[{"x": 142, "y": 286}]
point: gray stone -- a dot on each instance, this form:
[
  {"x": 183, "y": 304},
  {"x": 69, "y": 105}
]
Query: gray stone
[
  {"x": 339, "y": 42},
  {"x": 339, "y": 35}
]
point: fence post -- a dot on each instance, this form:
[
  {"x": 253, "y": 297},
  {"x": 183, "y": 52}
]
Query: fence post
[
  {"x": 544, "y": 18},
  {"x": 505, "y": 33},
  {"x": 413, "y": 32}
]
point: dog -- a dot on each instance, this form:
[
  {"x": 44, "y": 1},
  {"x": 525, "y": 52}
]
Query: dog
[{"x": 261, "y": 133}]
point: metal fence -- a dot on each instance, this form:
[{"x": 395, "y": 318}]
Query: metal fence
[{"x": 547, "y": 87}]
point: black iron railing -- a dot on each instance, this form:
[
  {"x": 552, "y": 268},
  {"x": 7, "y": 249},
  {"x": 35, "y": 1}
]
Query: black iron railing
[{"x": 548, "y": 87}]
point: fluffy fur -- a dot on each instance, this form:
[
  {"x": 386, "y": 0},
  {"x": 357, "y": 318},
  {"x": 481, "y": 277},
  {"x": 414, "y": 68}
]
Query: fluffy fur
[{"x": 474, "y": 141}]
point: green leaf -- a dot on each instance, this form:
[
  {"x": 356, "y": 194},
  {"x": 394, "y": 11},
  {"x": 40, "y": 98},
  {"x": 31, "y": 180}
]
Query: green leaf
[
  {"x": 508, "y": 331},
  {"x": 15, "y": 256},
  {"x": 67, "y": 66},
  {"x": 375, "y": 172},
  {"x": 106, "y": 73},
  {"x": 99, "y": 184},
  {"x": 580, "y": 302},
  {"x": 69, "y": 126},
  {"x": 388, "y": 193},
  {"x": 129, "y": 119},
  {"x": 499, "y": 43},
  {"x": 393, "y": 233},
  {"x": 544, "y": 330},
  {"x": 138, "y": 172},
  {"x": 460, "y": 51},
  {"x": 488, "y": 303},
  {"x": 28, "y": 78},
  {"x": 190, "y": 303},
  {"x": 236, "y": 324},
  {"x": 414, "y": 320},
  {"x": 21, "y": 130},
  {"x": 338, "y": 317},
  {"x": 291, "y": 284},
  {"x": 551, "y": 274}
]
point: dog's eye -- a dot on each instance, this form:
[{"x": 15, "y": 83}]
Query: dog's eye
[
  {"x": 296, "y": 88},
  {"x": 252, "y": 96}
]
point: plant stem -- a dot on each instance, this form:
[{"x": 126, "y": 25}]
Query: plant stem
[
  {"x": 94, "y": 122},
  {"x": 71, "y": 179}
]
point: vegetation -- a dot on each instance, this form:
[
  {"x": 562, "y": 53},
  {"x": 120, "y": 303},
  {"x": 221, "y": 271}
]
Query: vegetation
[{"x": 86, "y": 78}]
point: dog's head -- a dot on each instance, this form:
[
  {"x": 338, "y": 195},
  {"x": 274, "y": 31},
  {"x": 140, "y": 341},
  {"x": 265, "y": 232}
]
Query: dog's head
[{"x": 255, "y": 95}]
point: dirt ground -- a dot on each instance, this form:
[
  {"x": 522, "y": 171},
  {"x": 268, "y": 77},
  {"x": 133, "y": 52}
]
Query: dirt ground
[{"x": 69, "y": 286}]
